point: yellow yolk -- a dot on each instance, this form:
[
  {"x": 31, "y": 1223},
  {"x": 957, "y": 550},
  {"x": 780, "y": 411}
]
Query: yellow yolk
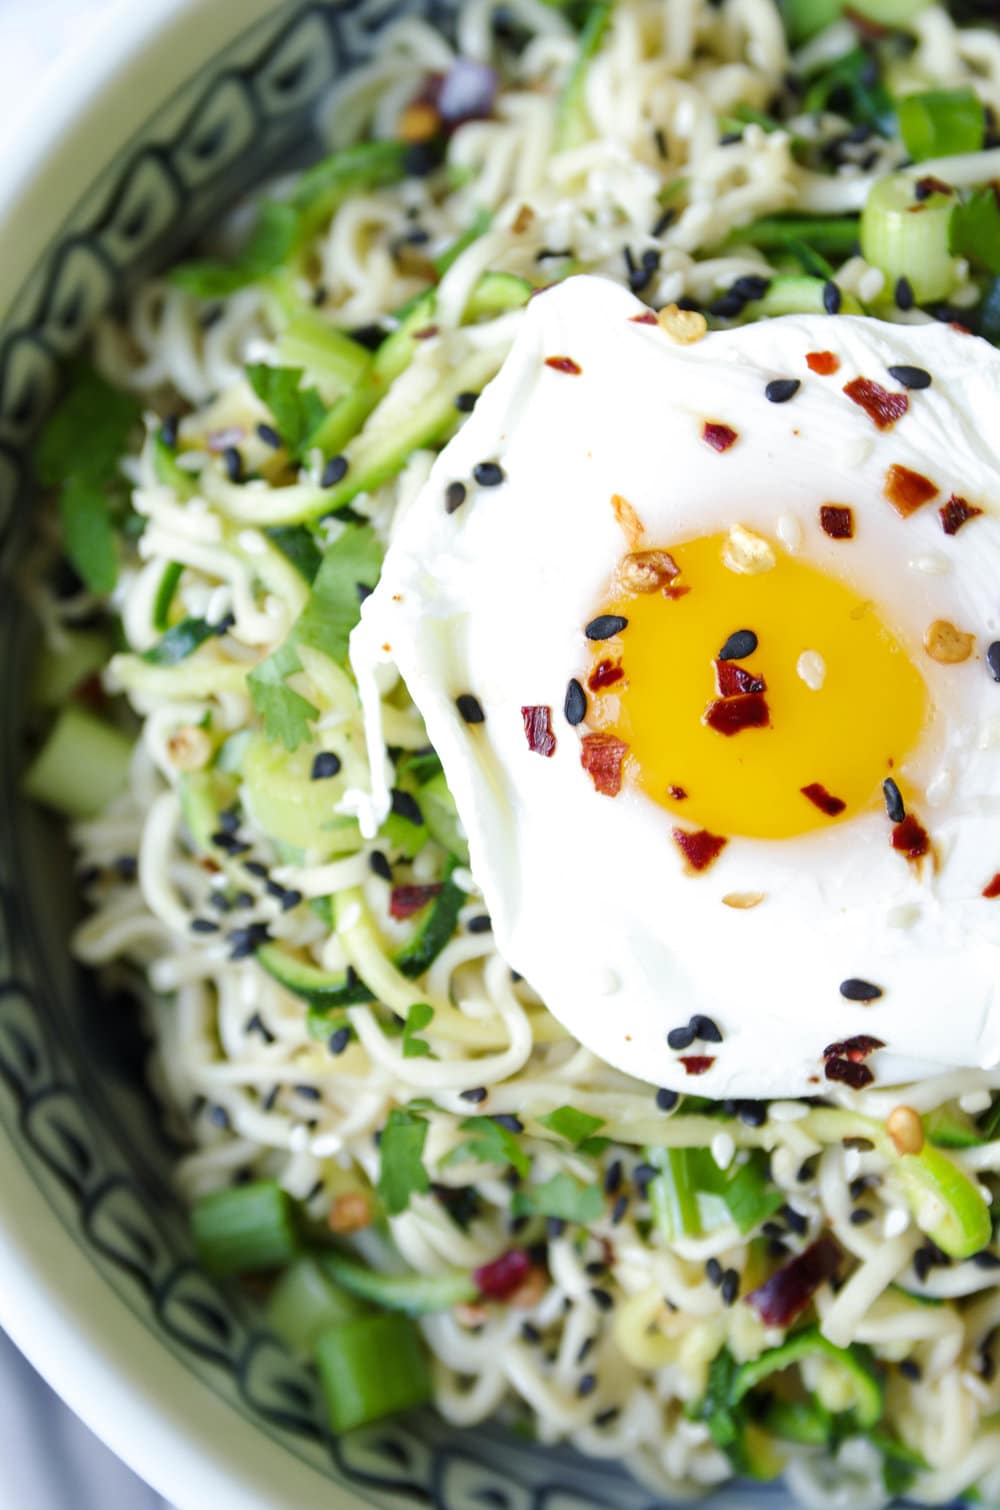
[{"x": 846, "y": 735}]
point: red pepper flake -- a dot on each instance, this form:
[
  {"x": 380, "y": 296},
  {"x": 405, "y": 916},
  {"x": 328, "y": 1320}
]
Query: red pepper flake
[
  {"x": 911, "y": 838},
  {"x": 733, "y": 680},
  {"x": 427, "y": 333},
  {"x": 908, "y": 491},
  {"x": 699, "y": 849},
  {"x": 882, "y": 407},
  {"x": 646, "y": 318},
  {"x": 602, "y": 757},
  {"x": 925, "y": 187},
  {"x": 673, "y": 593},
  {"x": 677, "y": 793},
  {"x": 783, "y": 1297},
  {"x": 992, "y": 889},
  {"x": 505, "y": 1275},
  {"x": 538, "y": 730},
  {"x": 823, "y": 362},
  {"x": 849, "y": 1072},
  {"x": 837, "y": 521},
  {"x": 564, "y": 364},
  {"x": 605, "y": 674},
  {"x": 818, "y": 795},
  {"x": 856, "y": 1049},
  {"x": 719, "y": 437},
  {"x": 404, "y": 901},
  {"x": 731, "y": 715},
  {"x": 697, "y": 1064},
  {"x": 956, "y": 512}
]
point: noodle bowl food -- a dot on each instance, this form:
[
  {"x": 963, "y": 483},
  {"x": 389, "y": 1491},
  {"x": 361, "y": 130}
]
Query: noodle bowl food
[{"x": 526, "y": 712}]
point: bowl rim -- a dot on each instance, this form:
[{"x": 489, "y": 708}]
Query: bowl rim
[{"x": 161, "y": 1419}]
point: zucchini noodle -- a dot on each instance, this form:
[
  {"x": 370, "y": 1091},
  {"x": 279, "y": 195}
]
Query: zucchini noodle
[{"x": 268, "y": 1081}]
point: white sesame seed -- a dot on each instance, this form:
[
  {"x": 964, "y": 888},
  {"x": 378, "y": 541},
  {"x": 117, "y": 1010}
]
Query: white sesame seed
[
  {"x": 723, "y": 1149},
  {"x": 811, "y": 669},
  {"x": 896, "y": 1222},
  {"x": 789, "y": 531}
]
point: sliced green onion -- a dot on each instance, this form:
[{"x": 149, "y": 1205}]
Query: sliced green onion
[
  {"x": 163, "y": 602},
  {"x": 856, "y": 1363},
  {"x": 304, "y": 1304},
  {"x": 673, "y": 1194},
  {"x": 245, "y": 1230},
  {"x": 82, "y": 765},
  {"x": 836, "y": 234},
  {"x": 909, "y": 238},
  {"x": 497, "y": 294},
  {"x": 947, "y": 1204},
  {"x": 370, "y": 1368},
  {"x": 179, "y": 642},
  {"x": 941, "y": 123},
  {"x": 573, "y": 126},
  {"x": 413, "y": 1294}
]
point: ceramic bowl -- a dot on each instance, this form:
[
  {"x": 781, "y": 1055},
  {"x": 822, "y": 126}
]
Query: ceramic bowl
[{"x": 174, "y": 109}]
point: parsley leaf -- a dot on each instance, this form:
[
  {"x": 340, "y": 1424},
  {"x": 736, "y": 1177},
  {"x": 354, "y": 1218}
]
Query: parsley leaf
[
  {"x": 274, "y": 239},
  {"x": 402, "y": 1171},
  {"x": 325, "y": 624},
  {"x": 563, "y": 1197},
  {"x": 79, "y": 450},
  {"x": 297, "y": 411},
  {"x": 975, "y": 229},
  {"x": 491, "y": 1144},
  {"x": 573, "y": 1125},
  {"x": 420, "y": 1016}
]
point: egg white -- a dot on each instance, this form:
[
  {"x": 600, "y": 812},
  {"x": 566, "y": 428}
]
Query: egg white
[{"x": 589, "y": 897}]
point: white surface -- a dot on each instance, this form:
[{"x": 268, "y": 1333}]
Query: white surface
[{"x": 52, "y": 1462}]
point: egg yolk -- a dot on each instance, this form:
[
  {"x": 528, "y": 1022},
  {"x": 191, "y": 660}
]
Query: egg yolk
[{"x": 794, "y": 734}]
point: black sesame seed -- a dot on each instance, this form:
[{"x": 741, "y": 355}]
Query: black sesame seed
[
  {"x": 256, "y": 868},
  {"x": 859, "y": 990},
  {"x": 269, "y": 435},
  {"x": 691, "y": 305},
  {"x": 466, "y": 402},
  {"x": 404, "y": 805},
  {"x": 290, "y": 900},
  {"x": 530, "y": 1332},
  {"x": 861, "y": 1217},
  {"x": 993, "y": 660},
  {"x": 894, "y": 805},
  {"x": 751, "y": 286},
  {"x": 986, "y": 1259},
  {"x": 509, "y": 1122},
  {"x": 730, "y": 1287},
  {"x": 307, "y": 1092},
  {"x": 220, "y": 901},
  {"x": 454, "y": 496},
  {"x": 126, "y": 867},
  {"x": 325, "y": 765},
  {"x": 555, "y": 1226},
  {"x": 379, "y": 865},
  {"x": 739, "y": 645},
  {"x": 243, "y": 899},
  {"x": 586, "y": 1348},
  {"x": 233, "y": 463},
  {"x": 773, "y": 1229},
  {"x": 481, "y": 924},
  {"x": 421, "y": 159},
  {"x": 752, "y": 1113},
  {"x": 832, "y": 297},
  {"x": 269, "y": 1100},
  {"x": 605, "y": 626},
  {"x": 780, "y": 390},
  {"x": 705, "y": 1029},
  {"x": 911, "y": 377},
  {"x": 334, "y": 471},
  {"x": 587, "y": 1385},
  {"x": 730, "y": 138},
  {"x": 680, "y": 1039},
  {"x": 224, "y": 625},
  {"x": 910, "y": 1369},
  {"x": 727, "y": 306},
  {"x": 613, "y": 1178},
  {"x": 666, "y": 1100},
  {"x": 713, "y": 1272},
  {"x": 338, "y": 1041},
  {"x": 575, "y": 705},
  {"x": 807, "y": 1171},
  {"x": 470, "y": 708},
  {"x": 169, "y": 429},
  {"x": 229, "y": 843},
  {"x": 794, "y": 1220},
  {"x": 642, "y": 1174},
  {"x": 602, "y": 1299},
  {"x": 204, "y": 925},
  {"x": 555, "y": 254},
  {"x": 489, "y": 474},
  {"x": 904, "y": 294},
  {"x": 618, "y": 1210},
  {"x": 607, "y": 1417},
  {"x": 664, "y": 223},
  {"x": 475, "y": 1095}
]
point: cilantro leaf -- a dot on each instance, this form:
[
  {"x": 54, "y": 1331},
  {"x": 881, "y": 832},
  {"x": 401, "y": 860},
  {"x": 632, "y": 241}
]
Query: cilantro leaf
[
  {"x": 975, "y": 229},
  {"x": 325, "y": 624},
  {"x": 562, "y": 1196},
  {"x": 420, "y": 1016},
  {"x": 491, "y": 1144},
  {"x": 299, "y": 545},
  {"x": 87, "y": 432},
  {"x": 402, "y": 1171},
  {"x": 274, "y": 239},
  {"x": 297, "y": 411},
  {"x": 88, "y": 533},
  {"x": 573, "y": 1125}
]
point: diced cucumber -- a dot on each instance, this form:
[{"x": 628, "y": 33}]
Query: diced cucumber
[
  {"x": 796, "y": 296},
  {"x": 369, "y": 1368},
  {"x": 412, "y": 1294},
  {"x": 289, "y": 806},
  {"x": 58, "y": 673},
  {"x": 81, "y": 767},
  {"x": 497, "y": 294},
  {"x": 305, "y": 1303},
  {"x": 246, "y": 1229}
]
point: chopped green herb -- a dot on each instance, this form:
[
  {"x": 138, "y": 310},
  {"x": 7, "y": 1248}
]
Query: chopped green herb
[
  {"x": 401, "y": 1149},
  {"x": 299, "y": 545},
  {"x": 272, "y": 242},
  {"x": 491, "y": 1144},
  {"x": 573, "y": 1125},
  {"x": 975, "y": 229},
  {"x": 562, "y": 1196},
  {"x": 941, "y": 122},
  {"x": 420, "y": 1016},
  {"x": 853, "y": 81},
  {"x": 297, "y": 411},
  {"x": 88, "y": 533}
]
